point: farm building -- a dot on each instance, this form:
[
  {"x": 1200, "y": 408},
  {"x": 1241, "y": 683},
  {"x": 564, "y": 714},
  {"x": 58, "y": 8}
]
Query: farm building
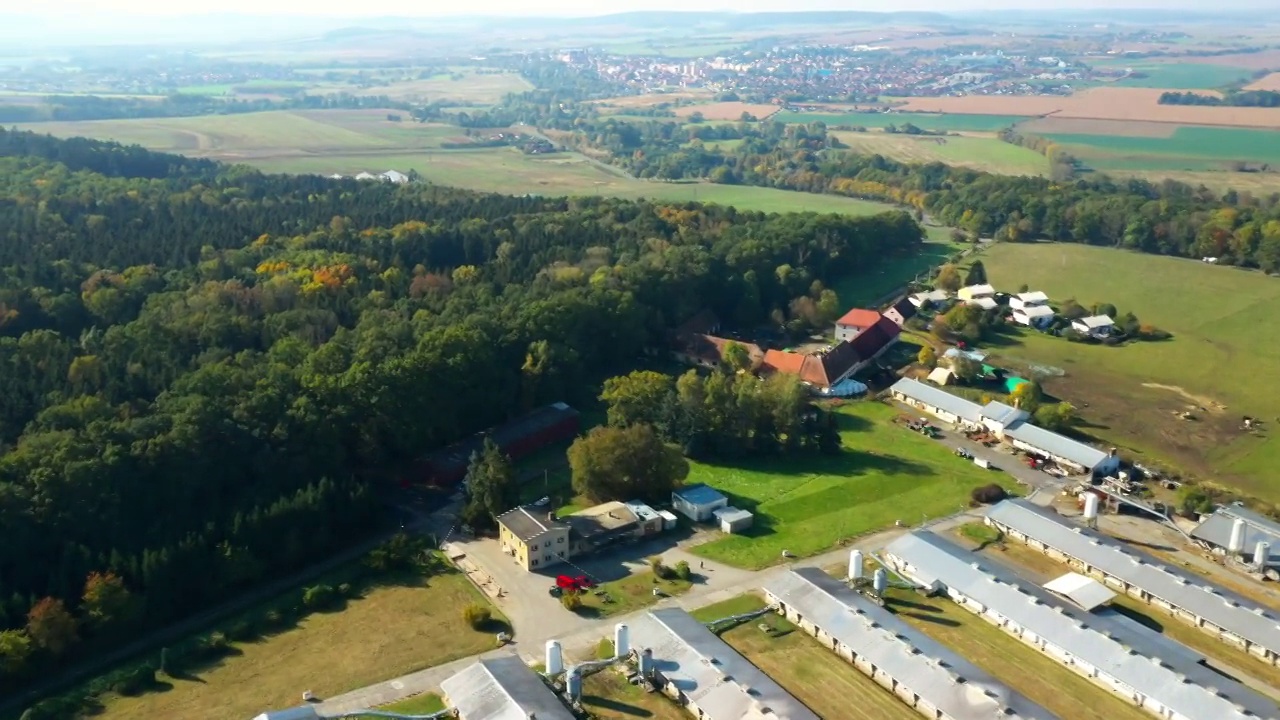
[
  {"x": 939, "y": 403},
  {"x": 698, "y": 502},
  {"x": 900, "y": 312},
  {"x": 501, "y": 688},
  {"x": 698, "y": 669},
  {"x": 1098, "y": 326},
  {"x": 1189, "y": 598},
  {"x": 941, "y": 376},
  {"x": 1108, "y": 654},
  {"x": 854, "y": 322},
  {"x": 1216, "y": 531},
  {"x": 302, "y": 712},
  {"x": 969, "y": 293},
  {"x": 821, "y": 369},
  {"x": 1034, "y": 316},
  {"x": 1028, "y": 300},
  {"x": 929, "y": 299},
  {"x": 732, "y": 519},
  {"x": 1085, "y": 592},
  {"x": 537, "y": 539},
  {"x": 1008, "y": 423},
  {"x": 921, "y": 672},
  {"x": 985, "y": 303},
  {"x": 709, "y": 350},
  {"x": 518, "y": 439},
  {"x": 393, "y": 176},
  {"x": 876, "y": 339}
]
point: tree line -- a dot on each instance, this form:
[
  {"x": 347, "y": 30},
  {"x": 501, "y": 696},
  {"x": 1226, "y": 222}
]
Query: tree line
[
  {"x": 1230, "y": 98},
  {"x": 97, "y": 107},
  {"x": 211, "y": 375}
]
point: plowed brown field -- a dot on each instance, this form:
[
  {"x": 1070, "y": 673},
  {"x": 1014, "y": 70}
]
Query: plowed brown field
[
  {"x": 1270, "y": 82},
  {"x": 1102, "y": 103}
]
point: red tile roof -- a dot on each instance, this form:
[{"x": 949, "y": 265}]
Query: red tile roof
[
  {"x": 821, "y": 369},
  {"x": 859, "y": 318}
]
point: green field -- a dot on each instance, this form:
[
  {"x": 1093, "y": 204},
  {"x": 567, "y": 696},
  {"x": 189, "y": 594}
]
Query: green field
[
  {"x": 1182, "y": 76},
  {"x": 981, "y": 153},
  {"x": 1190, "y": 148},
  {"x": 1224, "y": 339},
  {"x": 807, "y": 504},
  {"x": 926, "y": 121},
  {"x": 866, "y": 288}
]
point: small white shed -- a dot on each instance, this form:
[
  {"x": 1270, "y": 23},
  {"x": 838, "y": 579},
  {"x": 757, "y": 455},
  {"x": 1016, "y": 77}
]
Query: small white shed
[
  {"x": 698, "y": 502},
  {"x": 732, "y": 519}
]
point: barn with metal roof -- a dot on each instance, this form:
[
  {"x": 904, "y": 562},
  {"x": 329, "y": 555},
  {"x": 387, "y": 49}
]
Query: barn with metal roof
[{"x": 502, "y": 688}]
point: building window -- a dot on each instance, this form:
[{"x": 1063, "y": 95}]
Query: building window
[
  {"x": 559, "y": 539},
  {"x": 533, "y": 563},
  {"x": 546, "y": 544},
  {"x": 548, "y": 557}
]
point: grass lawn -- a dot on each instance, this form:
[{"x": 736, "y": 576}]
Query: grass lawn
[
  {"x": 1018, "y": 554},
  {"x": 630, "y": 594},
  {"x": 808, "y": 504},
  {"x": 1222, "y": 320},
  {"x": 979, "y": 533},
  {"x": 391, "y": 631},
  {"x": 1020, "y": 666},
  {"x": 981, "y": 153},
  {"x": 816, "y": 676},
  {"x": 608, "y": 696},
  {"x": 866, "y": 288},
  {"x": 423, "y": 704},
  {"x": 1183, "y": 76}
]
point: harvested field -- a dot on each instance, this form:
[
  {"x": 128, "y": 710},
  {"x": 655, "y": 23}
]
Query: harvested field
[
  {"x": 1101, "y": 103},
  {"x": 1080, "y": 126},
  {"x": 728, "y": 110},
  {"x": 1270, "y": 82},
  {"x": 1265, "y": 60}
]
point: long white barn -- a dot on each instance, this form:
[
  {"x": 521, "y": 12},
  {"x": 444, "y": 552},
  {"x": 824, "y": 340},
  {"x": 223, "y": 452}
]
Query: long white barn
[{"x": 1217, "y": 611}]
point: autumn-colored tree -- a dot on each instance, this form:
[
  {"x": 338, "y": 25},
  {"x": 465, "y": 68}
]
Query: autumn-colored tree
[
  {"x": 15, "y": 650},
  {"x": 927, "y": 357},
  {"x": 948, "y": 278},
  {"x": 51, "y": 626},
  {"x": 106, "y": 601}
]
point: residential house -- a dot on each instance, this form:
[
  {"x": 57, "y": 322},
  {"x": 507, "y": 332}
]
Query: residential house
[
  {"x": 900, "y": 312},
  {"x": 1098, "y": 326},
  {"x": 970, "y": 293},
  {"x": 929, "y": 299},
  {"x": 1036, "y": 316},
  {"x": 1028, "y": 299},
  {"x": 536, "y": 539},
  {"x": 854, "y": 322},
  {"x": 709, "y": 350},
  {"x": 698, "y": 502}
]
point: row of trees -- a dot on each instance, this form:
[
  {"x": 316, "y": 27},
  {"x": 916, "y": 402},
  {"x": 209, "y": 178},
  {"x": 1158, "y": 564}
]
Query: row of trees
[
  {"x": 1232, "y": 98},
  {"x": 209, "y": 372},
  {"x": 97, "y": 107}
]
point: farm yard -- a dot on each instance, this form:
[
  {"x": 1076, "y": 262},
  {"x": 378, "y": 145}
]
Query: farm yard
[
  {"x": 1132, "y": 395},
  {"x": 806, "y": 504},
  {"x": 812, "y": 673}
]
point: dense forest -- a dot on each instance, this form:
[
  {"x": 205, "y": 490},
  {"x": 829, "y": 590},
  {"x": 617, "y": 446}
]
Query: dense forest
[
  {"x": 1231, "y": 98},
  {"x": 210, "y": 373}
]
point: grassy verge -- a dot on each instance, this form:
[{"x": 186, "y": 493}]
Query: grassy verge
[
  {"x": 809, "y": 504},
  {"x": 423, "y": 704},
  {"x": 630, "y": 594},
  {"x": 816, "y": 676},
  {"x": 1021, "y": 667},
  {"x": 608, "y": 696}
]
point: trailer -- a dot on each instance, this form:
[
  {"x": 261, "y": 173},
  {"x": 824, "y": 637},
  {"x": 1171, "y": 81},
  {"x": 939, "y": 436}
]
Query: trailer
[{"x": 982, "y": 463}]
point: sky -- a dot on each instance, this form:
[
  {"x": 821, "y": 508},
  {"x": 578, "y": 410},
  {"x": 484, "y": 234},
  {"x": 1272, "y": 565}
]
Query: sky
[{"x": 346, "y": 8}]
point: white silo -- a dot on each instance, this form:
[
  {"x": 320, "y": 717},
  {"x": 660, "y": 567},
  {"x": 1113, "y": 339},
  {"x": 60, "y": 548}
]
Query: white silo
[
  {"x": 573, "y": 683},
  {"x": 621, "y": 640},
  {"x": 1091, "y": 509},
  {"x": 1236, "y": 544},
  {"x": 855, "y": 565},
  {"x": 880, "y": 581},
  {"x": 646, "y": 663},
  {"x": 1261, "y": 554},
  {"x": 555, "y": 658}
]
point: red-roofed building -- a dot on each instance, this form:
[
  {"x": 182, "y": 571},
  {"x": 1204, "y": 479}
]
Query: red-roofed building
[
  {"x": 822, "y": 369},
  {"x": 872, "y": 342},
  {"x": 708, "y": 350},
  {"x": 854, "y": 322}
]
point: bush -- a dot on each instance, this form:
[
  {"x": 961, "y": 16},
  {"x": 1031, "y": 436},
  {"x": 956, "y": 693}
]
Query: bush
[
  {"x": 241, "y": 630},
  {"x": 135, "y": 681},
  {"x": 273, "y": 620},
  {"x": 346, "y": 590},
  {"x": 682, "y": 571},
  {"x": 660, "y": 571},
  {"x": 318, "y": 597},
  {"x": 988, "y": 494},
  {"x": 571, "y": 601},
  {"x": 477, "y": 616}
]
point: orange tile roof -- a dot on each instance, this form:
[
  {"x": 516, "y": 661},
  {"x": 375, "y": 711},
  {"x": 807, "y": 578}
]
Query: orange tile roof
[{"x": 859, "y": 318}]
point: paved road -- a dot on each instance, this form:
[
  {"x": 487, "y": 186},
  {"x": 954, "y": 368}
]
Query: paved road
[{"x": 580, "y": 640}]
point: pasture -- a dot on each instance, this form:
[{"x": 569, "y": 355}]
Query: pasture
[
  {"x": 1182, "y": 76},
  {"x": 393, "y": 630},
  {"x": 815, "y": 675},
  {"x": 891, "y": 274},
  {"x": 808, "y": 504},
  {"x": 1023, "y": 668},
  {"x": 981, "y": 153},
  {"x": 1187, "y": 148},
  {"x": 1224, "y": 340}
]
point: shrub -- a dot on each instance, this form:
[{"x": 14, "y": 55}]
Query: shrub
[
  {"x": 273, "y": 620},
  {"x": 682, "y": 570},
  {"x": 477, "y": 616},
  {"x": 660, "y": 571},
  {"x": 242, "y": 630},
  {"x": 135, "y": 681},
  {"x": 318, "y": 597},
  {"x": 571, "y": 601},
  {"x": 988, "y": 494},
  {"x": 346, "y": 590}
]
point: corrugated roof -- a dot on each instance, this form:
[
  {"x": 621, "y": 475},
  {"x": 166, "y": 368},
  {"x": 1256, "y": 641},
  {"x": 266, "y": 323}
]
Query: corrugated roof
[
  {"x": 1085, "y": 592},
  {"x": 1004, "y": 414},
  {"x": 722, "y": 683},
  {"x": 940, "y": 677},
  {"x": 1096, "y": 321},
  {"x": 1191, "y": 691},
  {"x": 1214, "y": 604},
  {"x": 1035, "y": 311},
  {"x": 502, "y": 688},
  {"x": 1216, "y": 530},
  {"x": 982, "y": 289},
  {"x": 941, "y": 399},
  {"x": 699, "y": 494},
  {"x": 1035, "y": 296},
  {"x": 1057, "y": 445}
]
